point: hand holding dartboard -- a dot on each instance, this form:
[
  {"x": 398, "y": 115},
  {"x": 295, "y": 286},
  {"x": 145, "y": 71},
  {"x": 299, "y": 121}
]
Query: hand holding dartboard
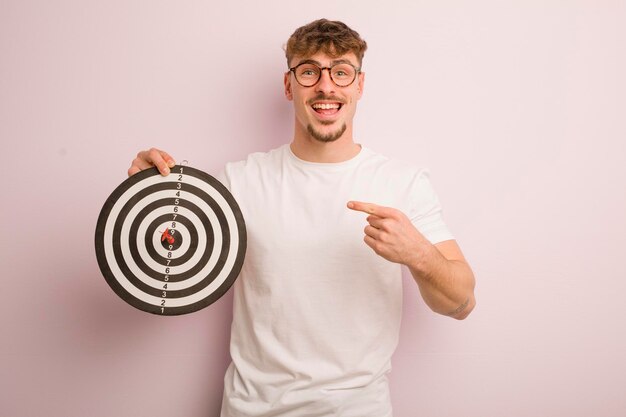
[{"x": 171, "y": 244}]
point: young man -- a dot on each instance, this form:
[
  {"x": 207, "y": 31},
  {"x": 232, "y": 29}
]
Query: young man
[{"x": 317, "y": 305}]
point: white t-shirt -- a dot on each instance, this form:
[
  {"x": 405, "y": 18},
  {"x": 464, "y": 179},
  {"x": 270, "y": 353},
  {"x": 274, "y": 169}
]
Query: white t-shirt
[{"x": 316, "y": 311}]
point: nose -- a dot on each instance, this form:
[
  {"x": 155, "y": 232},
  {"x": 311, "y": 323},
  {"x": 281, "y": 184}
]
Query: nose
[{"x": 325, "y": 84}]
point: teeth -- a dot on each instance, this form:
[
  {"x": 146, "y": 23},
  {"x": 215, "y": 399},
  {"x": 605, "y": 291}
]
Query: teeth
[{"x": 324, "y": 106}]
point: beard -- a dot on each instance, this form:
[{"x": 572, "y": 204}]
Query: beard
[{"x": 328, "y": 137}]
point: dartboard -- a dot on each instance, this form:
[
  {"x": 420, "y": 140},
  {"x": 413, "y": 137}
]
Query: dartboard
[{"x": 172, "y": 244}]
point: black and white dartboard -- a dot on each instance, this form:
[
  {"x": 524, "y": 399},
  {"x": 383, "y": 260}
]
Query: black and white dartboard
[{"x": 172, "y": 244}]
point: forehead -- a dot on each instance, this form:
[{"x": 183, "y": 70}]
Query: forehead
[{"x": 325, "y": 60}]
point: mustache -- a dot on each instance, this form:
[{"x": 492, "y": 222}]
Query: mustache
[{"x": 322, "y": 97}]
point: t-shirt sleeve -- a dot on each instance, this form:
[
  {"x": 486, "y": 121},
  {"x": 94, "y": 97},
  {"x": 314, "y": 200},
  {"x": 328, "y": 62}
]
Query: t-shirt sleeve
[
  {"x": 223, "y": 177},
  {"x": 426, "y": 211}
]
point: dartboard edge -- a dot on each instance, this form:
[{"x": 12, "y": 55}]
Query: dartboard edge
[{"x": 170, "y": 245}]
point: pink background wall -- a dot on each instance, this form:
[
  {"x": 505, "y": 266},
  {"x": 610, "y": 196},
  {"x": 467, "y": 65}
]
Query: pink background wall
[{"x": 517, "y": 108}]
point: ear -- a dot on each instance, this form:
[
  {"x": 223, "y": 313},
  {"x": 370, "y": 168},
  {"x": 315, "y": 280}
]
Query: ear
[
  {"x": 360, "y": 84},
  {"x": 287, "y": 82}
]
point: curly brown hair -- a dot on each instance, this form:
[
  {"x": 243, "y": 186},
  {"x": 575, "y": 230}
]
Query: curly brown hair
[{"x": 334, "y": 38}]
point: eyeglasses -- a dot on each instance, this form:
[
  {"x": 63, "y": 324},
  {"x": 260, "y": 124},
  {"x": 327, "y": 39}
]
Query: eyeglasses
[{"x": 308, "y": 74}]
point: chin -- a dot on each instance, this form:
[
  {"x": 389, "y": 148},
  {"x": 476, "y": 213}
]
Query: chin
[{"x": 326, "y": 137}]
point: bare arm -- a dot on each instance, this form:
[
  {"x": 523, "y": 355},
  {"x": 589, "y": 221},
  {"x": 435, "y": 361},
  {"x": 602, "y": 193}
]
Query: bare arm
[
  {"x": 152, "y": 157},
  {"x": 445, "y": 279}
]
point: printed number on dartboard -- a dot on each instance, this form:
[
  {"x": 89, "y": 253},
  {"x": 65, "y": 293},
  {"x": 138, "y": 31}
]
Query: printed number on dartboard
[{"x": 172, "y": 233}]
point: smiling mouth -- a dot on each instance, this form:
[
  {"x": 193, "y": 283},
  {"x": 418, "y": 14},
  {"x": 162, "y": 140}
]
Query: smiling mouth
[{"x": 326, "y": 108}]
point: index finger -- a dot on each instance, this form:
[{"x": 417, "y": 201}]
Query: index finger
[
  {"x": 161, "y": 159},
  {"x": 371, "y": 208}
]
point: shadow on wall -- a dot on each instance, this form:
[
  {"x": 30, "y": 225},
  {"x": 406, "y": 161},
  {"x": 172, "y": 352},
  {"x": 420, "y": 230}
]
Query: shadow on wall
[
  {"x": 97, "y": 321},
  {"x": 265, "y": 112}
]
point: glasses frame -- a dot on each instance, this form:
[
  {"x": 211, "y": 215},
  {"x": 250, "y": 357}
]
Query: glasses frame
[{"x": 357, "y": 71}]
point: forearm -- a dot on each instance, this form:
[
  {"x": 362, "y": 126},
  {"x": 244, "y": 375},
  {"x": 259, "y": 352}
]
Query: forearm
[
  {"x": 446, "y": 285},
  {"x": 445, "y": 280}
]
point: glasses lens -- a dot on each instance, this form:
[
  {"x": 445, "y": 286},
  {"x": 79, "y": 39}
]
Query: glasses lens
[
  {"x": 343, "y": 74},
  {"x": 307, "y": 74}
]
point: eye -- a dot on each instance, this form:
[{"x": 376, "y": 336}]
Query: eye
[
  {"x": 308, "y": 71},
  {"x": 343, "y": 72}
]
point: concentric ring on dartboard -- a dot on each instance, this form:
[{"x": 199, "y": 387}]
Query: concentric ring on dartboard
[
  {"x": 154, "y": 276},
  {"x": 186, "y": 239},
  {"x": 152, "y": 265},
  {"x": 200, "y": 264},
  {"x": 158, "y": 246}
]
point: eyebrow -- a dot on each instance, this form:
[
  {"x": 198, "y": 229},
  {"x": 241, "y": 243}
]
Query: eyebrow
[{"x": 319, "y": 64}]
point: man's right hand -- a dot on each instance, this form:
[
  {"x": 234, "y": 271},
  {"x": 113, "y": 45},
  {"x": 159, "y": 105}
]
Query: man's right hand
[{"x": 152, "y": 157}]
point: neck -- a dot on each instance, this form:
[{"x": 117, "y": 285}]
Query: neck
[{"x": 307, "y": 148}]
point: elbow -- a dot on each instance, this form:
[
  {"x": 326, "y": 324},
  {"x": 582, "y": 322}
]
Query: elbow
[
  {"x": 467, "y": 307},
  {"x": 462, "y": 311},
  {"x": 465, "y": 312}
]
